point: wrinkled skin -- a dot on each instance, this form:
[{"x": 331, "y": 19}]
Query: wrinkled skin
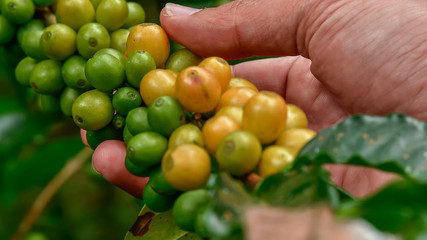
[{"x": 342, "y": 58}]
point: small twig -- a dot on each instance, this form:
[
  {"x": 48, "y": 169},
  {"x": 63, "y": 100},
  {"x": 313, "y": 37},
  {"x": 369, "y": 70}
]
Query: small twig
[{"x": 72, "y": 166}]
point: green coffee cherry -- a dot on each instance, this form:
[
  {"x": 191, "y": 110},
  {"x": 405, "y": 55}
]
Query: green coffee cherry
[
  {"x": 46, "y": 77},
  {"x": 23, "y": 70},
  {"x": 126, "y": 99},
  {"x": 112, "y": 13},
  {"x": 68, "y": 96},
  {"x": 49, "y": 104},
  {"x": 118, "y": 40},
  {"x": 109, "y": 132},
  {"x": 92, "y": 110},
  {"x": 33, "y": 24},
  {"x": 18, "y": 11},
  {"x": 186, "y": 207},
  {"x": 113, "y": 52},
  {"x": 73, "y": 72},
  {"x": 157, "y": 202},
  {"x": 182, "y": 59},
  {"x": 147, "y": 148},
  {"x": 31, "y": 44},
  {"x": 127, "y": 136},
  {"x": 105, "y": 72},
  {"x": 92, "y": 37},
  {"x": 137, "y": 170},
  {"x": 7, "y": 30},
  {"x": 119, "y": 122},
  {"x": 138, "y": 64},
  {"x": 159, "y": 183},
  {"x": 136, "y": 15},
  {"x": 165, "y": 114},
  {"x": 137, "y": 120},
  {"x": 58, "y": 41}
]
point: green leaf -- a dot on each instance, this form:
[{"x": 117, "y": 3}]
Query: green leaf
[
  {"x": 12, "y": 105},
  {"x": 394, "y": 143},
  {"x": 17, "y": 129},
  {"x": 399, "y": 208},
  {"x": 300, "y": 188},
  {"x": 157, "y": 226},
  {"x": 11, "y": 126},
  {"x": 221, "y": 218}
]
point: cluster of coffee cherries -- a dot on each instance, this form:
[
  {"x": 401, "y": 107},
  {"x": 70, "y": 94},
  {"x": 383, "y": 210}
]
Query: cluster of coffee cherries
[{"x": 182, "y": 117}]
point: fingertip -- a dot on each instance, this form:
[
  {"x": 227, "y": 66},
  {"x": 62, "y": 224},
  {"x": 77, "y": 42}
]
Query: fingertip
[
  {"x": 106, "y": 153},
  {"x": 190, "y": 30},
  {"x": 176, "y": 10},
  {"x": 108, "y": 160},
  {"x": 234, "y": 30},
  {"x": 83, "y": 136}
]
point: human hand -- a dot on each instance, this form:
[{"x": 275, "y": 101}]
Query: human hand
[
  {"x": 109, "y": 160},
  {"x": 356, "y": 57}
]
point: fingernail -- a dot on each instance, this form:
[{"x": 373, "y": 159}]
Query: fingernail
[{"x": 176, "y": 10}]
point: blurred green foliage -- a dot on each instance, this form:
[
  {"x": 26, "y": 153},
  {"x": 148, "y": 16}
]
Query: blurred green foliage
[{"x": 33, "y": 147}]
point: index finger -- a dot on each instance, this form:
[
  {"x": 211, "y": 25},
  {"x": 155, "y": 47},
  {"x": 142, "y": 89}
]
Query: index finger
[{"x": 237, "y": 29}]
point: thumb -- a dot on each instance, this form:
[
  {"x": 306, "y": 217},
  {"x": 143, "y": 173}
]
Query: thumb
[{"x": 238, "y": 29}]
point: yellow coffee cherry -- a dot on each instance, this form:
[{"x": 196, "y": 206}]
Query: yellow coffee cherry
[
  {"x": 152, "y": 38},
  {"x": 295, "y": 138}
]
